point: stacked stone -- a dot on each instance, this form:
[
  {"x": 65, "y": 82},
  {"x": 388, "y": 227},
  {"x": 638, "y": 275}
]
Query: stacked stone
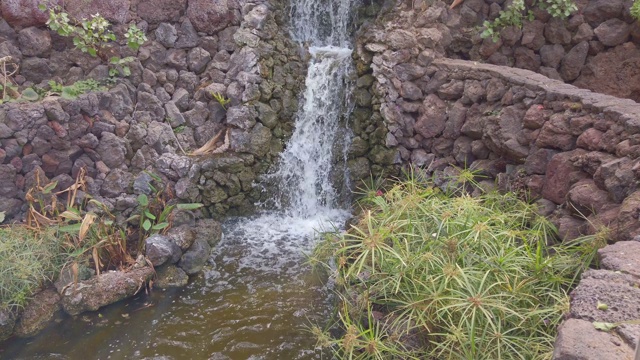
[{"x": 194, "y": 50}]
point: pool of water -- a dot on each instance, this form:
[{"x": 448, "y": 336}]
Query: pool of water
[{"x": 255, "y": 300}]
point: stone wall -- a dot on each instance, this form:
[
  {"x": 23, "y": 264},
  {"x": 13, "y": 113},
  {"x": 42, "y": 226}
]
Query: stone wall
[
  {"x": 144, "y": 122},
  {"x": 574, "y": 149},
  {"x": 596, "y": 48}
]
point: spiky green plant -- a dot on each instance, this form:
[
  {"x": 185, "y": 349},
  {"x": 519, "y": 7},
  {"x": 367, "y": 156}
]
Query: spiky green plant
[{"x": 429, "y": 275}]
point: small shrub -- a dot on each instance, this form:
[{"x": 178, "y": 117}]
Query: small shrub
[
  {"x": 94, "y": 36},
  {"x": 518, "y": 11},
  {"x": 428, "y": 275}
]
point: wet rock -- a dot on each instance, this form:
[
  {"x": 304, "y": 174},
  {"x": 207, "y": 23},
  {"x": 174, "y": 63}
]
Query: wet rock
[
  {"x": 255, "y": 142},
  {"x": 579, "y": 340},
  {"x": 210, "y": 230},
  {"x": 7, "y": 323},
  {"x": 40, "y": 310},
  {"x": 183, "y": 236},
  {"x": 104, "y": 289},
  {"x": 170, "y": 276},
  {"x": 194, "y": 259},
  {"x": 159, "y": 249}
]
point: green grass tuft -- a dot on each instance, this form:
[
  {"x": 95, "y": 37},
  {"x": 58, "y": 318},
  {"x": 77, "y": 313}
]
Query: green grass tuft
[
  {"x": 428, "y": 275},
  {"x": 28, "y": 259}
]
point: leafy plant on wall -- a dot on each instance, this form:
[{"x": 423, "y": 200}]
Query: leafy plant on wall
[{"x": 94, "y": 36}]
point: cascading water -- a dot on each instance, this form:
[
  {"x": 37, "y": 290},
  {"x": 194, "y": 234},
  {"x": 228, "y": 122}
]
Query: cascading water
[{"x": 258, "y": 297}]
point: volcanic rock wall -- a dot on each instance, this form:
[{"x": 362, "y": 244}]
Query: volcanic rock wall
[
  {"x": 575, "y": 150},
  {"x": 163, "y": 111}
]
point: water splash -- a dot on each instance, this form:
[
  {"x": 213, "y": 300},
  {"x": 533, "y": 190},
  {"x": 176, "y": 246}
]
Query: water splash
[{"x": 304, "y": 173}]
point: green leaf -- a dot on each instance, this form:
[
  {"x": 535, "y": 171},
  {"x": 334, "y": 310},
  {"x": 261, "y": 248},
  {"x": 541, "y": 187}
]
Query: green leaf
[
  {"x": 604, "y": 326},
  {"x": 42, "y": 7},
  {"x": 189, "y": 206},
  {"x": 114, "y": 60},
  {"x": 92, "y": 52},
  {"x": 160, "y": 226},
  {"x": 143, "y": 200},
  {"x": 146, "y": 225},
  {"x": 126, "y": 71},
  {"x": 30, "y": 94},
  {"x": 70, "y": 228},
  {"x": 602, "y": 306},
  {"x": 133, "y": 218},
  {"x": 47, "y": 189},
  {"x": 149, "y": 215}
]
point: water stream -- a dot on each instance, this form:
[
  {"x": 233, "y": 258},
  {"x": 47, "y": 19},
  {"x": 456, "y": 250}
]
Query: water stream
[{"x": 257, "y": 297}]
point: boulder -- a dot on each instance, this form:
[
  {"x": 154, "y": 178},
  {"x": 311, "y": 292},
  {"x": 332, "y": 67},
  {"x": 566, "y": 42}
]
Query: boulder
[
  {"x": 598, "y": 11},
  {"x": 104, "y": 289},
  {"x": 212, "y": 16},
  {"x": 617, "y": 290},
  {"x": 603, "y": 72},
  {"x": 112, "y": 150},
  {"x": 40, "y": 310},
  {"x": 586, "y": 198},
  {"x": 159, "y": 249},
  {"x": 559, "y": 176},
  {"x": 34, "y": 42},
  {"x": 170, "y": 276},
  {"x": 183, "y": 236},
  {"x": 157, "y": 11},
  {"x": 24, "y": 13},
  {"x": 210, "y": 230},
  {"x": 166, "y": 34},
  {"x": 194, "y": 259},
  {"x": 7, "y": 323},
  {"x": 623, "y": 256},
  {"x": 432, "y": 118},
  {"x": 612, "y": 32},
  {"x": 579, "y": 340},
  {"x": 116, "y": 11},
  {"x": 574, "y": 61}
]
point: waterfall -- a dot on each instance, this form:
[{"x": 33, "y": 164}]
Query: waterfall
[{"x": 305, "y": 169}]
